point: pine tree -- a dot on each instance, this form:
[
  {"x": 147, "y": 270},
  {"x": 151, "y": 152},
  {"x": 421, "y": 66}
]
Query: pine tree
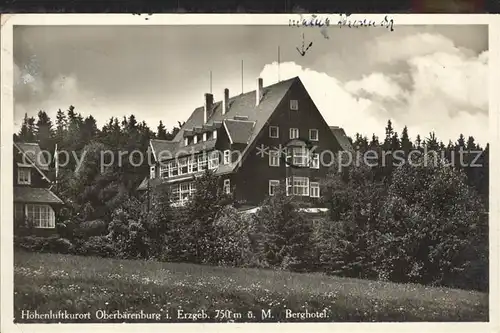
[
  {"x": 61, "y": 126},
  {"x": 26, "y": 133},
  {"x": 89, "y": 129},
  {"x": 374, "y": 143},
  {"x": 45, "y": 132},
  {"x": 418, "y": 142},
  {"x": 406, "y": 144},
  {"x": 389, "y": 133},
  {"x": 431, "y": 142},
  {"x": 461, "y": 141},
  {"x": 471, "y": 145},
  {"x": 395, "y": 143}
]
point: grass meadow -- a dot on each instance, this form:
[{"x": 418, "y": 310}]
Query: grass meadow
[{"x": 44, "y": 282}]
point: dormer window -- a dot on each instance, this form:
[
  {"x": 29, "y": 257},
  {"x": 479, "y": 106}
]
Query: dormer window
[
  {"x": 186, "y": 141},
  {"x": 204, "y": 136},
  {"x": 24, "y": 176},
  {"x": 215, "y": 134},
  {"x": 195, "y": 138}
]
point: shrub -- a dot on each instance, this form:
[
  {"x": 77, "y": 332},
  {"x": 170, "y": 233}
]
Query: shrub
[
  {"x": 283, "y": 234},
  {"x": 197, "y": 221},
  {"x": 87, "y": 229},
  {"x": 53, "y": 244},
  {"x": 99, "y": 246},
  {"x": 233, "y": 247},
  {"x": 128, "y": 232},
  {"x": 425, "y": 225}
]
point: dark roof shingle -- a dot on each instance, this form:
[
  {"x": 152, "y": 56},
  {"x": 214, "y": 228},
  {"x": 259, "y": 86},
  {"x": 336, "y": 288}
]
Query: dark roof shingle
[
  {"x": 35, "y": 195},
  {"x": 241, "y": 105},
  {"x": 342, "y": 138},
  {"x": 239, "y": 131},
  {"x": 33, "y": 152}
]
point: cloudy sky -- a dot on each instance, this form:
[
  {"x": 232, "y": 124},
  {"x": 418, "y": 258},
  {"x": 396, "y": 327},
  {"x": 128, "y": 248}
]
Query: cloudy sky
[{"x": 430, "y": 78}]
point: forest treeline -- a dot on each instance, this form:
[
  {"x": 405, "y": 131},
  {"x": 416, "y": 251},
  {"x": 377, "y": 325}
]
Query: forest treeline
[{"x": 423, "y": 223}]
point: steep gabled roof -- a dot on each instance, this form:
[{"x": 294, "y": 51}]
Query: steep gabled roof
[
  {"x": 162, "y": 145},
  {"x": 33, "y": 157},
  {"x": 342, "y": 138},
  {"x": 243, "y": 105},
  {"x": 239, "y": 131},
  {"x": 166, "y": 150},
  {"x": 33, "y": 152},
  {"x": 35, "y": 195}
]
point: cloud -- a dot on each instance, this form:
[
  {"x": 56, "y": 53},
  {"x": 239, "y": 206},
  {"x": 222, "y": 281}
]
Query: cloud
[
  {"x": 337, "y": 105},
  {"x": 391, "y": 48},
  {"x": 60, "y": 93},
  {"x": 440, "y": 88}
]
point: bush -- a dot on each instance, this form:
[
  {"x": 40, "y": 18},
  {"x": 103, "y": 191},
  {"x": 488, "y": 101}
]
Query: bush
[
  {"x": 128, "y": 232},
  {"x": 99, "y": 246},
  {"x": 425, "y": 225},
  {"x": 87, "y": 229},
  {"x": 53, "y": 244},
  {"x": 233, "y": 247},
  {"x": 283, "y": 235}
]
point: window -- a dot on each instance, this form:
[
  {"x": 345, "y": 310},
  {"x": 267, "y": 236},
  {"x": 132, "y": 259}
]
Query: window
[
  {"x": 195, "y": 139},
  {"x": 204, "y": 136},
  {"x": 313, "y": 135},
  {"x": 297, "y": 186},
  {"x": 182, "y": 166},
  {"x": 274, "y": 158},
  {"x": 163, "y": 170},
  {"x": 42, "y": 216},
  {"x": 213, "y": 162},
  {"x": 185, "y": 192},
  {"x": 298, "y": 156},
  {"x": 274, "y": 132},
  {"x": 181, "y": 193},
  {"x": 186, "y": 141},
  {"x": 202, "y": 162},
  {"x": 152, "y": 171},
  {"x": 192, "y": 165},
  {"x": 172, "y": 169},
  {"x": 294, "y": 133},
  {"x": 227, "y": 155},
  {"x": 315, "y": 161},
  {"x": 273, "y": 186},
  {"x": 214, "y": 134},
  {"x": 294, "y": 104},
  {"x": 314, "y": 189},
  {"x": 175, "y": 193},
  {"x": 227, "y": 186},
  {"x": 24, "y": 176}
]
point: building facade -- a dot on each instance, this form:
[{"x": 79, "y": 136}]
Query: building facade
[
  {"x": 35, "y": 205},
  {"x": 255, "y": 142}
]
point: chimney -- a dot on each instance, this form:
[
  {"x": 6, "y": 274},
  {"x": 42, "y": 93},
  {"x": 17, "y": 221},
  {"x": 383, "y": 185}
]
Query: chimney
[
  {"x": 209, "y": 101},
  {"x": 225, "y": 102},
  {"x": 259, "y": 92}
]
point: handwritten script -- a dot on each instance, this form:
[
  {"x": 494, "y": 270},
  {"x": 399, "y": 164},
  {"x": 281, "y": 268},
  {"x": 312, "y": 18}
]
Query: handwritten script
[{"x": 343, "y": 21}]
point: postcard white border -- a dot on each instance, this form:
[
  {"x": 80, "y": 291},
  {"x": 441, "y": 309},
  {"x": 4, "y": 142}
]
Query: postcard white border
[{"x": 6, "y": 193}]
